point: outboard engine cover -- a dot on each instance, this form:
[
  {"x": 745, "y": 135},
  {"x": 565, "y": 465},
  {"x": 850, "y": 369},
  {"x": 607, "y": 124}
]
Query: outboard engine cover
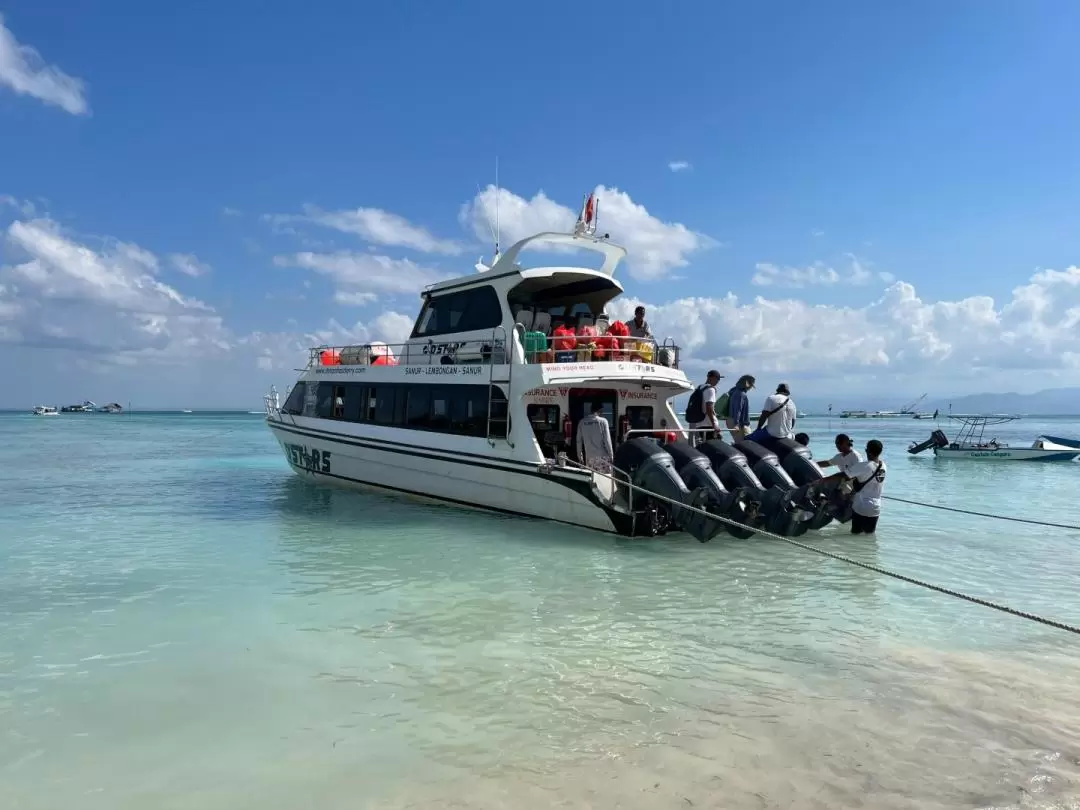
[
  {"x": 766, "y": 465},
  {"x": 730, "y": 465},
  {"x": 698, "y": 475},
  {"x": 652, "y": 468},
  {"x": 796, "y": 461}
]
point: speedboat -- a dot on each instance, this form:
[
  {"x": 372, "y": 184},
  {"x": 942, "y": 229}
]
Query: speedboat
[
  {"x": 480, "y": 407},
  {"x": 86, "y": 407},
  {"x": 971, "y": 444},
  {"x": 45, "y": 410}
]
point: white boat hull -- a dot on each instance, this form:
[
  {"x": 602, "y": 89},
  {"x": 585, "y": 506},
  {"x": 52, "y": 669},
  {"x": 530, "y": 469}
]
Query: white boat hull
[
  {"x": 1007, "y": 453},
  {"x": 403, "y": 464}
]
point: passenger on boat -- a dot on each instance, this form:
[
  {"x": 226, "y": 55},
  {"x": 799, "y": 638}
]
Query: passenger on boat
[
  {"x": 594, "y": 441},
  {"x": 737, "y": 414},
  {"x": 846, "y": 455},
  {"x": 701, "y": 408},
  {"x": 777, "y": 420},
  {"x": 638, "y": 326}
]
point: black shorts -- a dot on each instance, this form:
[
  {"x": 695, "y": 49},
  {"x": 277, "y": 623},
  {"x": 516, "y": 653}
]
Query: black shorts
[{"x": 863, "y": 525}]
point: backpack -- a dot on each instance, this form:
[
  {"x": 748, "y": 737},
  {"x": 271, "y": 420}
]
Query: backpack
[
  {"x": 723, "y": 405},
  {"x": 695, "y": 411}
]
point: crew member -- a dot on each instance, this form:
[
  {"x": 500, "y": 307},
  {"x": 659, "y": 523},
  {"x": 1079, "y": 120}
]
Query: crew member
[
  {"x": 846, "y": 455},
  {"x": 594, "y": 441}
]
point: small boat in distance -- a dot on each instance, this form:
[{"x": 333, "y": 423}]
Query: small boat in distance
[
  {"x": 86, "y": 407},
  {"x": 971, "y": 444},
  {"x": 112, "y": 407},
  {"x": 45, "y": 410}
]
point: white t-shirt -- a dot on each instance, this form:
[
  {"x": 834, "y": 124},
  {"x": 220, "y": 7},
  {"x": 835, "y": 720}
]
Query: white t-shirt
[
  {"x": 781, "y": 425},
  {"x": 845, "y": 463},
  {"x": 708, "y": 394},
  {"x": 867, "y": 501}
]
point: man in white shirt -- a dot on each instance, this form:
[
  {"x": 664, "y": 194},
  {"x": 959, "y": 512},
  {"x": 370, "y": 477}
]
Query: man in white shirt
[
  {"x": 709, "y": 419},
  {"x": 869, "y": 477},
  {"x": 846, "y": 457},
  {"x": 594, "y": 441},
  {"x": 777, "y": 420}
]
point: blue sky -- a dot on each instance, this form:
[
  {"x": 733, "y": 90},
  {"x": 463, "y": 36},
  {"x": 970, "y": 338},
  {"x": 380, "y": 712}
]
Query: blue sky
[{"x": 860, "y": 177}]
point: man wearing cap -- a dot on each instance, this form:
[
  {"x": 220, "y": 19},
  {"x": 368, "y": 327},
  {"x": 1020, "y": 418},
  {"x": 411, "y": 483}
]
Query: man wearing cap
[
  {"x": 705, "y": 397},
  {"x": 777, "y": 420}
]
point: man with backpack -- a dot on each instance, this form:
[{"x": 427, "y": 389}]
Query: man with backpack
[
  {"x": 734, "y": 408},
  {"x": 701, "y": 409}
]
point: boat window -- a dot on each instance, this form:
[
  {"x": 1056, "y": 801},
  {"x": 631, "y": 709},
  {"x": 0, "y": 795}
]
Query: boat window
[
  {"x": 543, "y": 418},
  {"x": 464, "y": 311},
  {"x": 385, "y": 404},
  {"x": 468, "y": 414},
  {"x": 418, "y": 413},
  {"x": 324, "y": 408},
  {"x": 640, "y": 417},
  {"x": 294, "y": 403},
  {"x": 440, "y": 409},
  {"x": 338, "y": 403}
]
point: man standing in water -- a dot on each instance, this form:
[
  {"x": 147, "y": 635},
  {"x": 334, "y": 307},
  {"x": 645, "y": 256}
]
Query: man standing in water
[
  {"x": 869, "y": 478},
  {"x": 846, "y": 457},
  {"x": 594, "y": 441}
]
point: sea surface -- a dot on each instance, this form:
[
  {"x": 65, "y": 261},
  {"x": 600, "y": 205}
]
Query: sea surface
[{"x": 184, "y": 623}]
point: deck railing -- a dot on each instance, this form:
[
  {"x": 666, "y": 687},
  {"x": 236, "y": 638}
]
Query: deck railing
[{"x": 527, "y": 347}]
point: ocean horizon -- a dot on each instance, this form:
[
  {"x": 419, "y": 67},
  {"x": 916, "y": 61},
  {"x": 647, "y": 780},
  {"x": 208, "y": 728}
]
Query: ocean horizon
[{"x": 185, "y": 623}]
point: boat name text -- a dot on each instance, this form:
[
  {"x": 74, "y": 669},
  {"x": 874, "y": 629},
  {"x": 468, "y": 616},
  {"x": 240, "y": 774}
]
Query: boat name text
[
  {"x": 311, "y": 459},
  {"x": 556, "y": 393}
]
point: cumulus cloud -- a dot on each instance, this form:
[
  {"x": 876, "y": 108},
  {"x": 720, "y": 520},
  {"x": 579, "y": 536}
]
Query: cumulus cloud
[
  {"x": 375, "y": 226},
  {"x": 23, "y": 70},
  {"x": 899, "y": 334},
  {"x": 61, "y": 293},
  {"x": 771, "y": 275},
  {"x": 364, "y": 274},
  {"x": 189, "y": 264},
  {"x": 817, "y": 274},
  {"x": 679, "y": 166},
  {"x": 656, "y": 248}
]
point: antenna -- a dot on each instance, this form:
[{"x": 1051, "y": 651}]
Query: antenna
[{"x": 498, "y": 231}]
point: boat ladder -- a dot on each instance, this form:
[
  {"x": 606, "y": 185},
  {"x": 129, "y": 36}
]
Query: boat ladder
[{"x": 498, "y": 406}]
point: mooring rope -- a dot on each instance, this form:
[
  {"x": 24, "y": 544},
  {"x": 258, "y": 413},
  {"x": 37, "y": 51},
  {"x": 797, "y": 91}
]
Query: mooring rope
[
  {"x": 976, "y": 600},
  {"x": 1030, "y": 521}
]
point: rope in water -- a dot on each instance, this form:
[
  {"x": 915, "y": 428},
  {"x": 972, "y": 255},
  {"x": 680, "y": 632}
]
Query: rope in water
[
  {"x": 976, "y": 600},
  {"x": 982, "y": 514}
]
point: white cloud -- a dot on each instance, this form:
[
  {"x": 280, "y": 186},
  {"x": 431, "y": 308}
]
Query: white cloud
[
  {"x": 817, "y": 274},
  {"x": 24, "y": 71},
  {"x": 106, "y": 301},
  {"x": 189, "y": 264},
  {"x": 817, "y": 232},
  {"x": 375, "y": 226},
  {"x": 655, "y": 247},
  {"x": 770, "y": 275},
  {"x": 24, "y": 207},
  {"x": 679, "y": 166},
  {"x": 229, "y": 211},
  {"x": 1037, "y": 331},
  {"x": 357, "y": 274},
  {"x": 356, "y": 299}
]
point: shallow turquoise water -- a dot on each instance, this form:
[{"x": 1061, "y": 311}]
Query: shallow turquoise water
[{"x": 185, "y": 623}]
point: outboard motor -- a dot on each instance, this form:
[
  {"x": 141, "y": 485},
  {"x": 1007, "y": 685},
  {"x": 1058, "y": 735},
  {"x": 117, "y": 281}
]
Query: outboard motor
[
  {"x": 825, "y": 499},
  {"x": 731, "y": 466},
  {"x": 652, "y": 468},
  {"x": 709, "y": 493},
  {"x": 937, "y": 439},
  {"x": 788, "y": 509}
]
